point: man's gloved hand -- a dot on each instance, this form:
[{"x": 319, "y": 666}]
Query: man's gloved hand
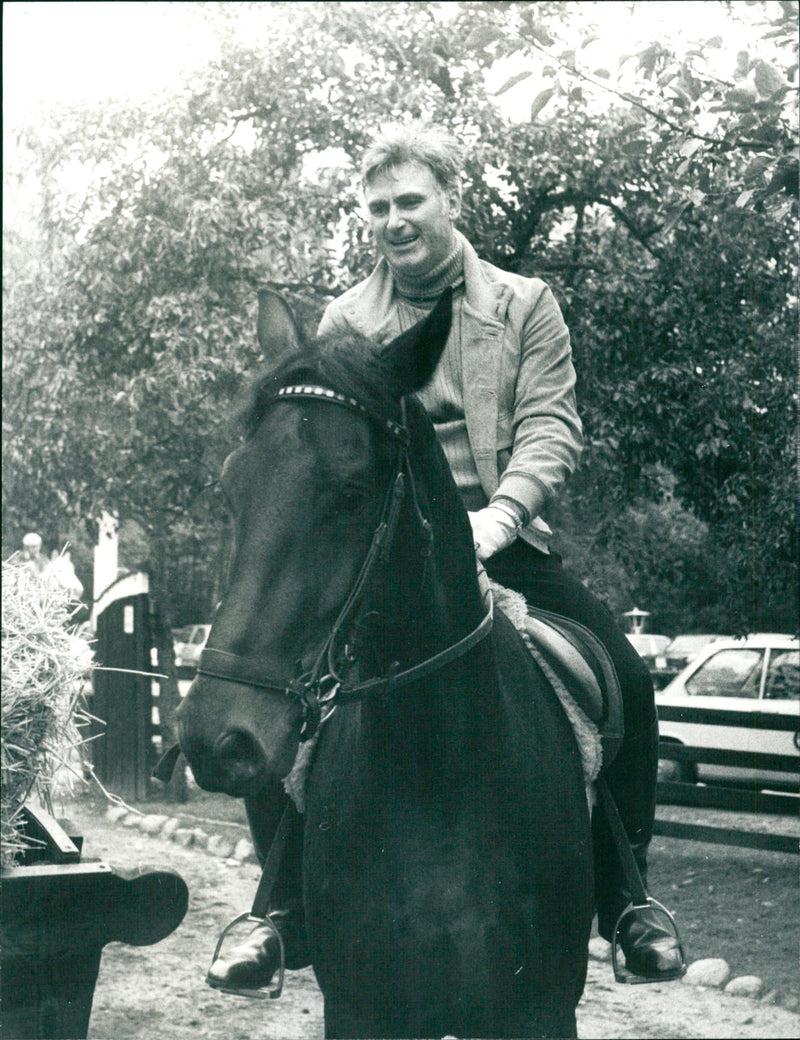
[{"x": 493, "y": 528}]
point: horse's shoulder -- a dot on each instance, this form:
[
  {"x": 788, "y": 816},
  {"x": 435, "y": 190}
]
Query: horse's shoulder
[{"x": 513, "y": 657}]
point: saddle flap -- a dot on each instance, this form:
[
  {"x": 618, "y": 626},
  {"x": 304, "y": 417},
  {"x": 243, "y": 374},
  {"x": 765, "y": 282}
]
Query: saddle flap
[
  {"x": 572, "y": 666},
  {"x": 584, "y": 664}
]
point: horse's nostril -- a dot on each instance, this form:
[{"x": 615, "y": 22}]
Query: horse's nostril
[{"x": 237, "y": 751}]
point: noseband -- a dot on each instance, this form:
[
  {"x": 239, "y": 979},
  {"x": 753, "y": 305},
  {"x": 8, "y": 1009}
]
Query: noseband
[{"x": 322, "y": 688}]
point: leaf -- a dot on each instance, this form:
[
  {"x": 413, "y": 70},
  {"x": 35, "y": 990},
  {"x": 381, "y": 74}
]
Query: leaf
[
  {"x": 540, "y": 101},
  {"x": 767, "y": 79},
  {"x": 568, "y": 58},
  {"x": 512, "y": 82},
  {"x": 688, "y": 148},
  {"x": 681, "y": 96},
  {"x": 756, "y": 169},
  {"x": 541, "y": 35},
  {"x": 674, "y": 214},
  {"x": 483, "y": 36},
  {"x": 783, "y": 210},
  {"x": 744, "y": 198},
  {"x": 741, "y": 97}
]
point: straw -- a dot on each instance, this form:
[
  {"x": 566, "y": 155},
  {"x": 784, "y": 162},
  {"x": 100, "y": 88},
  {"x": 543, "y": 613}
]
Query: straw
[{"x": 45, "y": 666}]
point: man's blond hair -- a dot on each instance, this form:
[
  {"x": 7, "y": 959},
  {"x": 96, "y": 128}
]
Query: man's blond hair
[{"x": 423, "y": 143}]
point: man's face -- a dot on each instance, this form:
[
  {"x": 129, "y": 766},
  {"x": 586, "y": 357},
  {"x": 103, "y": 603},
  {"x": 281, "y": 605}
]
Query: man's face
[{"x": 411, "y": 217}]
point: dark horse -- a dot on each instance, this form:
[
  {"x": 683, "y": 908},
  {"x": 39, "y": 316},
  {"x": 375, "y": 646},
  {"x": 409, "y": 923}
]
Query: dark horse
[{"x": 447, "y": 877}]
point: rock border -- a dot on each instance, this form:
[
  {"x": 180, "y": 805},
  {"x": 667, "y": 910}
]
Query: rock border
[
  {"x": 184, "y": 831},
  {"x": 713, "y": 973},
  {"x": 706, "y": 973}
]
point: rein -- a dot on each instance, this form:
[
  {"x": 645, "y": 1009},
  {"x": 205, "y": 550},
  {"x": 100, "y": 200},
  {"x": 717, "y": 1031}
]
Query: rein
[{"x": 322, "y": 688}]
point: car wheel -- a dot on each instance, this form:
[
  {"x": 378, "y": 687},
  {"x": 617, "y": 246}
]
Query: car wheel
[{"x": 670, "y": 771}]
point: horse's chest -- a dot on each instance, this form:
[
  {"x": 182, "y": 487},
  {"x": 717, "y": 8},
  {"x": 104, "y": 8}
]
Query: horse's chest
[{"x": 409, "y": 882}]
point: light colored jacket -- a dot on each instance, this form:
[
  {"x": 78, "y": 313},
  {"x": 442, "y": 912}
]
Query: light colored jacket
[{"x": 518, "y": 378}]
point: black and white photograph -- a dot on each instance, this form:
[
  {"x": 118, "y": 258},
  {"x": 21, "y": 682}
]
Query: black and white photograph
[{"x": 400, "y": 623}]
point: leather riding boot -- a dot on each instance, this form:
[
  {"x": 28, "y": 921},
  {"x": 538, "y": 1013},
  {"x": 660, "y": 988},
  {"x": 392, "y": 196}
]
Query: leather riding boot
[
  {"x": 249, "y": 965},
  {"x": 650, "y": 946},
  {"x": 252, "y": 963}
]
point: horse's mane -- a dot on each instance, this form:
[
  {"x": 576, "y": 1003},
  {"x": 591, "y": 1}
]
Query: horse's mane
[{"x": 348, "y": 363}]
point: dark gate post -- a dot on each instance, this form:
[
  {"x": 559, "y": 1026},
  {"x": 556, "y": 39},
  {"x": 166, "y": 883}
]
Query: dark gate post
[{"x": 123, "y": 700}]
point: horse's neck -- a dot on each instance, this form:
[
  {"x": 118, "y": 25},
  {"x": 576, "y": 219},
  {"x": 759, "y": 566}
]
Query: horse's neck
[
  {"x": 452, "y": 716},
  {"x": 445, "y": 726}
]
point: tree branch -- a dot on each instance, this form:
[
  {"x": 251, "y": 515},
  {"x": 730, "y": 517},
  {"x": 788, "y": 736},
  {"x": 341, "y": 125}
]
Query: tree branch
[{"x": 719, "y": 143}]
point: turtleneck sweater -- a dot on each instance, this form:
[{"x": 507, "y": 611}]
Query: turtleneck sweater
[
  {"x": 424, "y": 290},
  {"x": 443, "y": 396}
]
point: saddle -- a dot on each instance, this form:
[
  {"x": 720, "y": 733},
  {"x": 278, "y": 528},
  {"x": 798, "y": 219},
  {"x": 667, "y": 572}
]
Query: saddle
[
  {"x": 585, "y": 667},
  {"x": 578, "y": 667}
]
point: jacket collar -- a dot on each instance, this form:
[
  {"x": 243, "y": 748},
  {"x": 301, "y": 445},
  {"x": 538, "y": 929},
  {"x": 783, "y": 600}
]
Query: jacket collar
[{"x": 369, "y": 306}]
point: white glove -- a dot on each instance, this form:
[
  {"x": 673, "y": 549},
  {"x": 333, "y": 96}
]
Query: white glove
[{"x": 493, "y": 528}]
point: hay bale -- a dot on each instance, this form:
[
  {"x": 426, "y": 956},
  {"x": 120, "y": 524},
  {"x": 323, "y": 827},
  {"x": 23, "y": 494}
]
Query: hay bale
[{"x": 44, "y": 667}]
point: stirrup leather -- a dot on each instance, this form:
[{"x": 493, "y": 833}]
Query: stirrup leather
[
  {"x": 258, "y": 993},
  {"x": 624, "y": 974}
]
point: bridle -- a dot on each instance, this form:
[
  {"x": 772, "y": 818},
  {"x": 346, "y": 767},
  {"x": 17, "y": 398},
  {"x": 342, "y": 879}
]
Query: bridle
[{"x": 321, "y": 688}]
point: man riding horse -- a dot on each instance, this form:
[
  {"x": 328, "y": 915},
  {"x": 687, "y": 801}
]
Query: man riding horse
[{"x": 502, "y": 401}]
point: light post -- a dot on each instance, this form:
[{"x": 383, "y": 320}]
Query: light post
[{"x": 637, "y": 619}]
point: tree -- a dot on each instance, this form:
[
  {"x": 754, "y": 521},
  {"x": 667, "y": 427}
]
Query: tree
[{"x": 667, "y": 242}]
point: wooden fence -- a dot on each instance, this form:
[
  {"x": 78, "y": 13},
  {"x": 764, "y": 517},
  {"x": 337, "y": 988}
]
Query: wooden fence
[{"x": 750, "y": 799}]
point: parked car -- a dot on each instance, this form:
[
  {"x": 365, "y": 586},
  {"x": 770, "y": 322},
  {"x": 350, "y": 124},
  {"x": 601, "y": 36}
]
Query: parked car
[
  {"x": 759, "y": 674},
  {"x": 189, "y": 642},
  {"x": 651, "y": 648},
  {"x": 684, "y": 649}
]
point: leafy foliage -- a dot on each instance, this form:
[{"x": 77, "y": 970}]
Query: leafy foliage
[{"x": 658, "y": 200}]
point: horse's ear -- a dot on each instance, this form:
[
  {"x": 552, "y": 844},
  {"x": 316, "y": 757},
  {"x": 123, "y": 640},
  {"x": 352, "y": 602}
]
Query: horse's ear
[
  {"x": 278, "y": 334},
  {"x": 414, "y": 354}
]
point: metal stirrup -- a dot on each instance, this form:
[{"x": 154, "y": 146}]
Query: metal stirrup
[
  {"x": 260, "y": 911},
  {"x": 639, "y": 897}
]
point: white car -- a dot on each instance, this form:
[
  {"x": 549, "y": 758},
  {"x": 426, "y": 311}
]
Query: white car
[
  {"x": 189, "y": 643},
  {"x": 683, "y": 650},
  {"x": 758, "y": 674},
  {"x": 652, "y": 649}
]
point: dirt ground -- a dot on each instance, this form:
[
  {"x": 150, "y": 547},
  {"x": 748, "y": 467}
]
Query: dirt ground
[{"x": 158, "y": 991}]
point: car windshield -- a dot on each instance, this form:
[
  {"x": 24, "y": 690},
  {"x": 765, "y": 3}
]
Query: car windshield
[{"x": 728, "y": 673}]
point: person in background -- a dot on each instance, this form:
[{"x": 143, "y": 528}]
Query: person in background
[{"x": 502, "y": 402}]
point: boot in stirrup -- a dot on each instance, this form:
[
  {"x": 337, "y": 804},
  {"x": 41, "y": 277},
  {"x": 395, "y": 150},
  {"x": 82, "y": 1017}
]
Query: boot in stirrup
[
  {"x": 251, "y": 964},
  {"x": 642, "y": 928}
]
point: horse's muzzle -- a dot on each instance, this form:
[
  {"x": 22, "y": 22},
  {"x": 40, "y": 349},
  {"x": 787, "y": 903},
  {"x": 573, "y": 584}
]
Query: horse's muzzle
[{"x": 234, "y": 764}]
